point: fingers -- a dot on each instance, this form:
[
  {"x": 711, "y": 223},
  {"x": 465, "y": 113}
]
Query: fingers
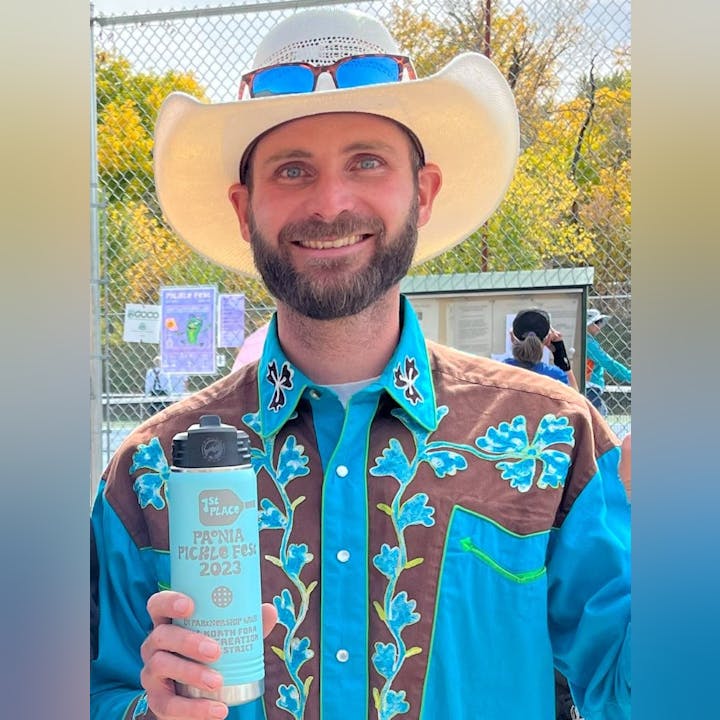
[
  {"x": 269, "y": 618},
  {"x": 176, "y": 639},
  {"x": 170, "y": 654},
  {"x": 162, "y": 697},
  {"x": 165, "y": 605}
]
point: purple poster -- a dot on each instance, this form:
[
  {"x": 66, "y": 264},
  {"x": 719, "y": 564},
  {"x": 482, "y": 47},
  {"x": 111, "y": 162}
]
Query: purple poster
[
  {"x": 187, "y": 334},
  {"x": 231, "y": 320}
]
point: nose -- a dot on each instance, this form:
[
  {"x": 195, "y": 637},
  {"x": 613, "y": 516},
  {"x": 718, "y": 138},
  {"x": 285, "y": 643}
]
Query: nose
[{"x": 330, "y": 195}]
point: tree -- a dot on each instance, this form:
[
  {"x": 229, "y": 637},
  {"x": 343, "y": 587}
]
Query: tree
[
  {"x": 568, "y": 203},
  {"x": 140, "y": 252},
  {"x": 526, "y": 52}
]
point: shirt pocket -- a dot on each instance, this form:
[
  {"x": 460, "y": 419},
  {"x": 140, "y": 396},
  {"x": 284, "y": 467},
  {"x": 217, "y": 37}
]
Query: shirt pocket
[
  {"x": 491, "y": 627},
  {"x": 519, "y": 559}
]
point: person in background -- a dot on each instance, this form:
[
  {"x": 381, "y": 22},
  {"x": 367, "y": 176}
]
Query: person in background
[
  {"x": 438, "y": 530},
  {"x": 157, "y": 385},
  {"x": 598, "y": 361},
  {"x": 531, "y": 334}
]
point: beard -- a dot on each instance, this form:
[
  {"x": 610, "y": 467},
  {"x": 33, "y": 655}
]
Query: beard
[{"x": 328, "y": 289}]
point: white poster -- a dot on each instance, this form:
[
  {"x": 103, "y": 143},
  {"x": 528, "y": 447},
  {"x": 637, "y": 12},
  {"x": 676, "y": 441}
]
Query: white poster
[
  {"x": 142, "y": 323},
  {"x": 469, "y": 325}
]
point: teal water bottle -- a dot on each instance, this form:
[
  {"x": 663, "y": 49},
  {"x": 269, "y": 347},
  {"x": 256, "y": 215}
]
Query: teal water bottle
[{"x": 214, "y": 552}]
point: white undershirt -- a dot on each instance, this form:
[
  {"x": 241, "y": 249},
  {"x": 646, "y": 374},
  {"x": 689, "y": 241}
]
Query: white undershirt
[{"x": 345, "y": 391}]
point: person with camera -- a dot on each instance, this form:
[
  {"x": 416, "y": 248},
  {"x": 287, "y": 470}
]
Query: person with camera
[{"x": 531, "y": 334}]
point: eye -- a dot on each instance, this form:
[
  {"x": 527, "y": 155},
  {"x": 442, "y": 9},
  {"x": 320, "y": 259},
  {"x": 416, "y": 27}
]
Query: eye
[
  {"x": 291, "y": 172},
  {"x": 368, "y": 163}
]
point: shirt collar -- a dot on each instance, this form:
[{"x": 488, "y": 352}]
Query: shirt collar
[{"x": 407, "y": 378}]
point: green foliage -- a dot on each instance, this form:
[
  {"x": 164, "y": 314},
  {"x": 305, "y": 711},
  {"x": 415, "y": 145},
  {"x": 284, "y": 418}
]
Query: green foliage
[
  {"x": 140, "y": 253},
  {"x": 569, "y": 202}
]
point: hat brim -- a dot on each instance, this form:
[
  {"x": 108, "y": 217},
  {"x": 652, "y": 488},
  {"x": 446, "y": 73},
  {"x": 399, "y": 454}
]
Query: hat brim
[{"x": 464, "y": 116}]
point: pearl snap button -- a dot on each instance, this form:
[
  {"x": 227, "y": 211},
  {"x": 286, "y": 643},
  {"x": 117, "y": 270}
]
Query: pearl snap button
[
  {"x": 341, "y": 471},
  {"x": 342, "y": 655},
  {"x": 343, "y": 555}
]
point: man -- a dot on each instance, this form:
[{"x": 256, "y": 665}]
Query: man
[
  {"x": 157, "y": 385},
  {"x": 598, "y": 361},
  {"x": 438, "y": 530}
]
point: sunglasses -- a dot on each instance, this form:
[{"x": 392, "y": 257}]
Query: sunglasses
[{"x": 348, "y": 72}]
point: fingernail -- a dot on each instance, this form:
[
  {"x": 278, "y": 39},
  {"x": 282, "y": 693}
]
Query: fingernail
[
  {"x": 219, "y": 711},
  {"x": 208, "y": 648},
  {"x": 212, "y": 680},
  {"x": 181, "y": 605}
]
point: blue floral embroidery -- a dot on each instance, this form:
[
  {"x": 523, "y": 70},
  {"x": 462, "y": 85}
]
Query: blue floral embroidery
[
  {"x": 150, "y": 487},
  {"x": 517, "y": 458},
  {"x": 293, "y": 558},
  {"x": 281, "y": 381},
  {"x": 405, "y": 379},
  {"x": 397, "y": 610}
]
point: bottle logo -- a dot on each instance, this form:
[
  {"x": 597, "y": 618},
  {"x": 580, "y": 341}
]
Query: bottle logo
[
  {"x": 219, "y": 507},
  {"x": 212, "y": 449},
  {"x": 222, "y": 596}
]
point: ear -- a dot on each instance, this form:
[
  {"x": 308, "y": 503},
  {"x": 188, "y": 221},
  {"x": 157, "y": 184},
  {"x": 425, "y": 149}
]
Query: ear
[
  {"x": 429, "y": 184},
  {"x": 239, "y": 197}
]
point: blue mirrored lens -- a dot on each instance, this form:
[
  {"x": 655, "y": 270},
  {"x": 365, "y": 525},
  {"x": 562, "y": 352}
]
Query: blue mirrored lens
[
  {"x": 283, "y": 80},
  {"x": 367, "y": 71}
]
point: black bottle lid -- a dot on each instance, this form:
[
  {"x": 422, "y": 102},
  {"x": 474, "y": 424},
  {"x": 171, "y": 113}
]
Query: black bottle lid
[{"x": 210, "y": 444}]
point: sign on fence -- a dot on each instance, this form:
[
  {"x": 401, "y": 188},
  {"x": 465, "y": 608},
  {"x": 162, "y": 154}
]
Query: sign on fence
[
  {"x": 231, "y": 320},
  {"x": 142, "y": 323},
  {"x": 187, "y": 338}
]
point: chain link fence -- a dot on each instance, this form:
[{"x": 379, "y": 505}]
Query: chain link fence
[{"x": 568, "y": 62}]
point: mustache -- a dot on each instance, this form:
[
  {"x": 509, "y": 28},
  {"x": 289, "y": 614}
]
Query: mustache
[{"x": 346, "y": 223}]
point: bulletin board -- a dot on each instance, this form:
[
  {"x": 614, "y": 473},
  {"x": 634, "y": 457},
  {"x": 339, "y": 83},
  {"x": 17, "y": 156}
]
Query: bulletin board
[{"x": 475, "y": 315}]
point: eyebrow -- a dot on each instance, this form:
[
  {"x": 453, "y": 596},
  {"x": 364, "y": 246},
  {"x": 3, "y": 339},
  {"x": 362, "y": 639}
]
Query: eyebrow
[
  {"x": 374, "y": 146},
  {"x": 360, "y": 146},
  {"x": 287, "y": 155}
]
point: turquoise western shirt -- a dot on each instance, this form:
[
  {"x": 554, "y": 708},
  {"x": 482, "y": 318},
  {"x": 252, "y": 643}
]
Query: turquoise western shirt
[{"x": 433, "y": 550}]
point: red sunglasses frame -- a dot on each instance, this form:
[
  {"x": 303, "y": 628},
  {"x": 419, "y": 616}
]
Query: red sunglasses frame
[{"x": 403, "y": 63}]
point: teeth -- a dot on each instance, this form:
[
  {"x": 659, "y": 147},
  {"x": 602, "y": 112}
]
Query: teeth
[{"x": 338, "y": 242}]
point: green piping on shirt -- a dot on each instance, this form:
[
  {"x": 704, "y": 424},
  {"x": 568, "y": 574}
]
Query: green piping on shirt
[{"x": 467, "y": 545}]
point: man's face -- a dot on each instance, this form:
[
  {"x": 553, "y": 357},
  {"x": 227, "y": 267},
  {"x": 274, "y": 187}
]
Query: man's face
[
  {"x": 595, "y": 328},
  {"x": 334, "y": 210}
]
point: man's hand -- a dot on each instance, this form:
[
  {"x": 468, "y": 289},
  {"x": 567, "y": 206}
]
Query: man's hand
[{"x": 172, "y": 653}]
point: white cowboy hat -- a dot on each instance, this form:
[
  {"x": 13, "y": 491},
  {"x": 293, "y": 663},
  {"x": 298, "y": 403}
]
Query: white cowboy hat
[{"x": 464, "y": 117}]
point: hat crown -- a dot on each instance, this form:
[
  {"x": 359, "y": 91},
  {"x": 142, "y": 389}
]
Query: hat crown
[
  {"x": 323, "y": 36},
  {"x": 532, "y": 320}
]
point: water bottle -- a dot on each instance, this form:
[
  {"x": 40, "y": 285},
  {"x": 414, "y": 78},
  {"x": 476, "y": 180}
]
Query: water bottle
[{"x": 214, "y": 552}]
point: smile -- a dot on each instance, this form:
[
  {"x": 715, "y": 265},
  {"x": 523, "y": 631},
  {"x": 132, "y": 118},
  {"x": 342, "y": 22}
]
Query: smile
[{"x": 332, "y": 243}]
